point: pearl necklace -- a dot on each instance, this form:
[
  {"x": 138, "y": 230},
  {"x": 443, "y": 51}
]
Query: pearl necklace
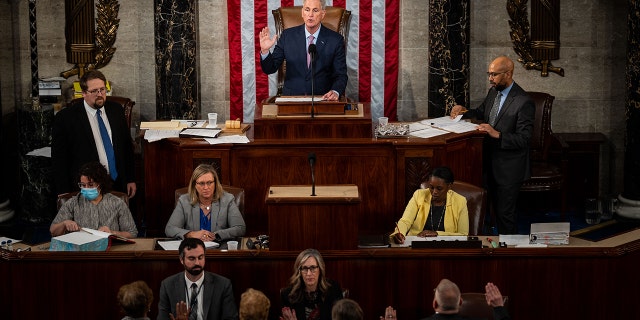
[
  {"x": 444, "y": 207},
  {"x": 205, "y": 206}
]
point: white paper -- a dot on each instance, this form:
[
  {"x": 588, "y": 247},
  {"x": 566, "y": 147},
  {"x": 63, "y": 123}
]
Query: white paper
[
  {"x": 442, "y": 121},
  {"x": 228, "y": 139},
  {"x": 428, "y": 133},
  {"x": 78, "y": 237},
  {"x": 297, "y": 99},
  {"x": 156, "y": 135},
  {"x": 190, "y": 123},
  {"x": 42, "y": 152},
  {"x": 514, "y": 239},
  {"x": 205, "y": 133},
  {"x": 175, "y": 244},
  {"x": 460, "y": 127}
]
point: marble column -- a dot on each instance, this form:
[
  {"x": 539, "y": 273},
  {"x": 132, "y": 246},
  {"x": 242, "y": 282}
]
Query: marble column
[
  {"x": 629, "y": 200},
  {"x": 176, "y": 61},
  {"x": 37, "y": 199},
  {"x": 448, "y": 55}
]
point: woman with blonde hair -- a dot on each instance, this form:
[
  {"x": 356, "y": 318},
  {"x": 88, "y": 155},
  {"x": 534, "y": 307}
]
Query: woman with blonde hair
[
  {"x": 206, "y": 211},
  {"x": 310, "y": 295}
]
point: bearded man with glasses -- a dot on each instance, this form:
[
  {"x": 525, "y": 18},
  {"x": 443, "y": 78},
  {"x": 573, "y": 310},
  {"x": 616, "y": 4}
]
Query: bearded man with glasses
[{"x": 92, "y": 130}]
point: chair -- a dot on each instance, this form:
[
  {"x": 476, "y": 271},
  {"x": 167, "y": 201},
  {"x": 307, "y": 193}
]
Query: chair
[
  {"x": 126, "y": 103},
  {"x": 474, "y": 305},
  {"x": 336, "y": 19},
  {"x": 476, "y": 203},
  {"x": 63, "y": 197},
  {"x": 546, "y": 174},
  {"x": 237, "y": 192}
]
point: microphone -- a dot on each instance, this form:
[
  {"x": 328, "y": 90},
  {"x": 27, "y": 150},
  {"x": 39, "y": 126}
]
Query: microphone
[
  {"x": 312, "y": 53},
  {"x": 312, "y": 163}
]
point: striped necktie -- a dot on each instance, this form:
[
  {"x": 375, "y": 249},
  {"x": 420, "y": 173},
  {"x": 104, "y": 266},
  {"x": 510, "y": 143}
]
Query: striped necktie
[{"x": 494, "y": 110}]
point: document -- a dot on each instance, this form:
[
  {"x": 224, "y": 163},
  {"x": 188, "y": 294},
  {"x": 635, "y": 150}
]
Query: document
[
  {"x": 175, "y": 244},
  {"x": 152, "y": 135},
  {"x": 85, "y": 240},
  {"x": 228, "y": 139},
  {"x": 200, "y": 133}
]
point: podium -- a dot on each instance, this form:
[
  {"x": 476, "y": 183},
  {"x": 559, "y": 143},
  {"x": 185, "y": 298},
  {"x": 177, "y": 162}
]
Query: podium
[{"x": 327, "y": 221}]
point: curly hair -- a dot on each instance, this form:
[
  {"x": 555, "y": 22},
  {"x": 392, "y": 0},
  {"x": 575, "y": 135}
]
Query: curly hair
[
  {"x": 97, "y": 173},
  {"x": 135, "y": 298},
  {"x": 254, "y": 305}
]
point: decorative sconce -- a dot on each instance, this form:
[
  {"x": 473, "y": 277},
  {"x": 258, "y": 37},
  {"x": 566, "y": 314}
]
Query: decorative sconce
[
  {"x": 88, "y": 49},
  {"x": 543, "y": 45}
]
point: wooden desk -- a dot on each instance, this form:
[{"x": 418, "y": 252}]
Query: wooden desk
[
  {"x": 326, "y": 221},
  {"x": 386, "y": 171},
  {"x": 319, "y": 127},
  {"x": 565, "y": 282}
]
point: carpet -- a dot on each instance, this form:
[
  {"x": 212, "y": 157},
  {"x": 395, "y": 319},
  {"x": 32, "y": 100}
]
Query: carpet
[{"x": 605, "y": 230}]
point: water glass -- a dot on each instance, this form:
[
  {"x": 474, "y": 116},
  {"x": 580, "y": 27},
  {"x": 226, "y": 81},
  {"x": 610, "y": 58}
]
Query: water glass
[
  {"x": 609, "y": 206},
  {"x": 592, "y": 211}
]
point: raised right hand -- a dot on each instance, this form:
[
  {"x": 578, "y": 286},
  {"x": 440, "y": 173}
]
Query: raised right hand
[{"x": 266, "y": 41}]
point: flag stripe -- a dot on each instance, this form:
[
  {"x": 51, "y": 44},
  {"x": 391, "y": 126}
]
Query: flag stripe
[{"x": 392, "y": 17}]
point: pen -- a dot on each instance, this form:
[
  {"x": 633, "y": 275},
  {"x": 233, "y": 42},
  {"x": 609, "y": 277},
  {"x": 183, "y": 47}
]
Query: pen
[{"x": 493, "y": 243}]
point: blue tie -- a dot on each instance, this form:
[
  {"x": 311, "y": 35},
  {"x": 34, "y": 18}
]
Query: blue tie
[{"x": 108, "y": 148}]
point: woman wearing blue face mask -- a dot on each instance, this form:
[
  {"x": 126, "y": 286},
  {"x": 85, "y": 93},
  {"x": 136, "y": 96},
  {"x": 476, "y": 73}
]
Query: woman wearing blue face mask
[{"x": 94, "y": 207}]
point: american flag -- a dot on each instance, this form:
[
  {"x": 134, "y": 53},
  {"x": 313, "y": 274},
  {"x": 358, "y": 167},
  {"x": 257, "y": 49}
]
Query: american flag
[{"x": 372, "y": 54}]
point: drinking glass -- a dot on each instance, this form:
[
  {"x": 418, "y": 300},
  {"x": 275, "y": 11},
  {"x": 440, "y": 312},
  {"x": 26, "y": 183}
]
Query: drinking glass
[{"x": 592, "y": 211}]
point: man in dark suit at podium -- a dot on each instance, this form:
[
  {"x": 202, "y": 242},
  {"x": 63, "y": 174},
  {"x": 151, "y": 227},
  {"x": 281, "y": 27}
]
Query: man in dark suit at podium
[{"x": 330, "y": 66}]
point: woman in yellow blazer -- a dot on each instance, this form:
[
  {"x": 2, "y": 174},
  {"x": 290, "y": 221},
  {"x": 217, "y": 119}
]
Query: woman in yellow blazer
[{"x": 435, "y": 211}]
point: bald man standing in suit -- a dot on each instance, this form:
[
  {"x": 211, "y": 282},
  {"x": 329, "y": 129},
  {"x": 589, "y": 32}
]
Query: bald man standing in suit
[
  {"x": 508, "y": 114},
  {"x": 330, "y": 65}
]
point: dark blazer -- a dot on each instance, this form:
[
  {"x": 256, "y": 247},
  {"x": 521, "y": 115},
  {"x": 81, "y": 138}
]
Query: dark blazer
[
  {"x": 334, "y": 294},
  {"x": 73, "y": 146},
  {"x": 218, "y": 295},
  {"x": 330, "y": 64},
  {"x": 499, "y": 313},
  {"x": 508, "y": 157}
]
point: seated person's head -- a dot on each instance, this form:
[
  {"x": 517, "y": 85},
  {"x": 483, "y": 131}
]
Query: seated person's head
[
  {"x": 94, "y": 173},
  {"x": 204, "y": 180},
  {"x": 346, "y": 309},
  {"x": 135, "y": 299},
  {"x": 254, "y": 305},
  {"x": 443, "y": 173},
  {"x": 447, "y": 297}
]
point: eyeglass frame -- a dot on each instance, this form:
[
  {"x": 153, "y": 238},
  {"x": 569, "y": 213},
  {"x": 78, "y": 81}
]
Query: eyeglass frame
[
  {"x": 495, "y": 74},
  {"x": 96, "y": 92},
  {"x": 91, "y": 184},
  {"x": 307, "y": 269},
  {"x": 205, "y": 183}
]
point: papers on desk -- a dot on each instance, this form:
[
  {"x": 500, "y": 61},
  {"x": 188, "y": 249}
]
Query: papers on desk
[
  {"x": 297, "y": 99},
  {"x": 85, "y": 240},
  {"x": 200, "y": 133},
  {"x": 409, "y": 239},
  {"x": 438, "y": 126},
  {"x": 175, "y": 244},
  {"x": 152, "y": 135},
  {"x": 228, "y": 139},
  {"x": 42, "y": 152},
  {"x": 549, "y": 233}
]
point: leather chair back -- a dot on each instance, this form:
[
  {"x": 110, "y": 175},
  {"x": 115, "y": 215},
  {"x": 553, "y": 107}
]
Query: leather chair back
[
  {"x": 336, "y": 19},
  {"x": 126, "y": 103},
  {"x": 541, "y": 135},
  {"x": 476, "y": 203},
  {"x": 474, "y": 305},
  {"x": 62, "y": 198},
  {"x": 237, "y": 192}
]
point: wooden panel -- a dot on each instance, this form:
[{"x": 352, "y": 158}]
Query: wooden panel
[{"x": 562, "y": 281}]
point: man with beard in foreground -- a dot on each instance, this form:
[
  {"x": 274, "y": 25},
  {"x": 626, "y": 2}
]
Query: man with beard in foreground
[
  {"x": 92, "y": 130},
  {"x": 195, "y": 293}
]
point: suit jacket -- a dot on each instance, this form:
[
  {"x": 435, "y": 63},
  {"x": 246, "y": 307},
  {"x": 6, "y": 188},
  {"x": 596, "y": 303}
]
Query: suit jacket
[
  {"x": 330, "y": 65},
  {"x": 219, "y": 303},
  {"x": 227, "y": 221},
  {"x": 499, "y": 313},
  {"x": 507, "y": 158},
  {"x": 73, "y": 145}
]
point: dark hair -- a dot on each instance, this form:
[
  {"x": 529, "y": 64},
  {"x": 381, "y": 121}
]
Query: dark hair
[
  {"x": 346, "y": 309},
  {"x": 135, "y": 298},
  {"x": 97, "y": 173},
  {"x": 189, "y": 243},
  {"x": 443, "y": 173},
  {"x": 90, "y": 75}
]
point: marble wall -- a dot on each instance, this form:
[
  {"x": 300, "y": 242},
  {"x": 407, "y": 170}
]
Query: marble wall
[{"x": 590, "y": 97}]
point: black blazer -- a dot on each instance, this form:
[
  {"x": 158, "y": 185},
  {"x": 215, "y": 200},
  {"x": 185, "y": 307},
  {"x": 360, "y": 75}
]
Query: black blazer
[
  {"x": 73, "y": 145},
  {"x": 507, "y": 158},
  {"x": 334, "y": 293},
  {"x": 330, "y": 65}
]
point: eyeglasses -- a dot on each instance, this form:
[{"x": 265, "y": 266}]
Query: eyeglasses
[
  {"x": 205, "y": 183},
  {"x": 87, "y": 185},
  {"x": 311, "y": 269},
  {"x": 97, "y": 91},
  {"x": 495, "y": 74}
]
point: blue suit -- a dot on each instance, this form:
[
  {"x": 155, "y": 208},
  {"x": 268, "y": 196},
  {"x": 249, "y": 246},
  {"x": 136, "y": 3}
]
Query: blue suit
[{"x": 330, "y": 64}]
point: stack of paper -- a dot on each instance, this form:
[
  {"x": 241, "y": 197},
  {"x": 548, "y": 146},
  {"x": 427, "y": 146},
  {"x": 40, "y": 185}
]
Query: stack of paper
[
  {"x": 549, "y": 233},
  {"x": 85, "y": 240}
]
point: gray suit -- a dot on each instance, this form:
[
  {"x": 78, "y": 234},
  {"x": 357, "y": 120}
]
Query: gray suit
[
  {"x": 219, "y": 303},
  {"x": 227, "y": 221},
  {"x": 506, "y": 160}
]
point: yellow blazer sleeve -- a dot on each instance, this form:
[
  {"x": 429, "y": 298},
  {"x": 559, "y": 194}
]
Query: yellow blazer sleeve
[{"x": 415, "y": 213}]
